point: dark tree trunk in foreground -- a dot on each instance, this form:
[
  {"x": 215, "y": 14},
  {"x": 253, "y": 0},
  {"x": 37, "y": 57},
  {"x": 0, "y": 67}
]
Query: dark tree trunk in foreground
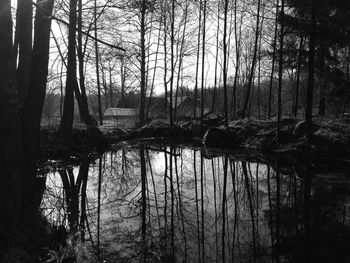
[
  {"x": 10, "y": 132},
  {"x": 34, "y": 102},
  {"x": 24, "y": 38},
  {"x": 71, "y": 80},
  {"x": 20, "y": 190}
]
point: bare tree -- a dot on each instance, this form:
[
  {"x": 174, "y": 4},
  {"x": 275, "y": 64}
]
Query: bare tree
[
  {"x": 97, "y": 67},
  {"x": 203, "y": 57},
  {"x": 252, "y": 68},
  {"x": 143, "y": 61},
  {"x": 225, "y": 63},
  {"x": 71, "y": 79},
  {"x": 172, "y": 39},
  {"x": 310, "y": 83},
  {"x": 197, "y": 63},
  {"x": 274, "y": 44},
  {"x": 280, "y": 77}
]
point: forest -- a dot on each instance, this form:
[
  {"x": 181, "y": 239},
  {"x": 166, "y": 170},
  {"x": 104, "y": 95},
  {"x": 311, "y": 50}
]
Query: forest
[
  {"x": 236, "y": 59},
  {"x": 239, "y": 114}
]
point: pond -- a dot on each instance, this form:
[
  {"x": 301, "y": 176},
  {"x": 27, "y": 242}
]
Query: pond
[{"x": 162, "y": 203}]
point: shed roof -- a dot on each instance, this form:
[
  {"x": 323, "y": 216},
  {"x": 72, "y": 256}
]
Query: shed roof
[{"x": 121, "y": 112}]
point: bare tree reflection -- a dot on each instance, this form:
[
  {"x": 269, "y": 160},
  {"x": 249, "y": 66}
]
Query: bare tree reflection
[{"x": 171, "y": 204}]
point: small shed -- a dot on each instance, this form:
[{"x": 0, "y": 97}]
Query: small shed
[{"x": 121, "y": 117}]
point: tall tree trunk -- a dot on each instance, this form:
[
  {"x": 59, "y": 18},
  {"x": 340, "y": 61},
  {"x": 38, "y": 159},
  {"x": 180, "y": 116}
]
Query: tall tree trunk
[
  {"x": 296, "y": 103},
  {"x": 34, "y": 102},
  {"x": 216, "y": 57},
  {"x": 154, "y": 70},
  {"x": 171, "y": 113},
  {"x": 347, "y": 99},
  {"x": 165, "y": 56},
  {"x": 122, "y": 78},
  {"x": 181, "y": 55},
  {"x": 110, "y": 85},
  {"x": 24, "y": 27},
  {"x": 10, "y": 133},
  {"x": 110, "y": 69},
  {"x": 71, "y": 79},
  {"x": 104, "y": 85},
  {"x": 203, "y": 57},
  {"x": 310, "y": 83},
  {"x": 274, "y": 45},
  {"x": 280, "y": 77},
  {"x": 225, "y": 63},
  {"x": 259, "y": 63},
  {"x": 143, "y": 62},
  {"x": 322, "y": 82},
  {"x": 197, "y": 63},
  {"x": 147, "y": 45},
  {"x": 252, "y": 69},
  {"x": 81, "y": 95},
  {"x": 259, "y": 80},
  {"x": 237, "y": 49},
  {"x": 97, "y": 66},
  {"x": 291, "y": 78}
]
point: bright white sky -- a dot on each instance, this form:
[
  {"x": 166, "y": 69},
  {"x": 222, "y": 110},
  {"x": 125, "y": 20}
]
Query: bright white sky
[{"x": 122, "y": 26}]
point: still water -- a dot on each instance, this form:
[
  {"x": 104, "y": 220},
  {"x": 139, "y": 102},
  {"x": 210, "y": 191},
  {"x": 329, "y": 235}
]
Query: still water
[{"x": 159, "y": 203}]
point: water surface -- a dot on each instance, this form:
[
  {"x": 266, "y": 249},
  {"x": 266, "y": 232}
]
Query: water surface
[{"x": 157, "y": 203}]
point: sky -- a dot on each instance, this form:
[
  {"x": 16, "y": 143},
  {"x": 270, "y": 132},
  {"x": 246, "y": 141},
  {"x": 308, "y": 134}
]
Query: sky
[{"x": 123, "y": 28}]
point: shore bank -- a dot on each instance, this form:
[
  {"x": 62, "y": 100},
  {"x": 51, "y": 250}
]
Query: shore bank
[{"x": 258, "y": 137}]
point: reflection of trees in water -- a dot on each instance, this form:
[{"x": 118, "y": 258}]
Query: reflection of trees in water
[
  {"x": 191, "y": 221},
  {"x": 173, "y": 203}
]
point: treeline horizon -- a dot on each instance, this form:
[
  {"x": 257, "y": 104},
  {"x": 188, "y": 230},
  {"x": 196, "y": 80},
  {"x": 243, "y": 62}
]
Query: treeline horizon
[
  {"x": 261, "y": 58},
  {"x": 213, "y": 101}
]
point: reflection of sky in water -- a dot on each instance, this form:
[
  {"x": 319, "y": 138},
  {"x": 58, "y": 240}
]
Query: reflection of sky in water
[{"x": 121, "y": 225}]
